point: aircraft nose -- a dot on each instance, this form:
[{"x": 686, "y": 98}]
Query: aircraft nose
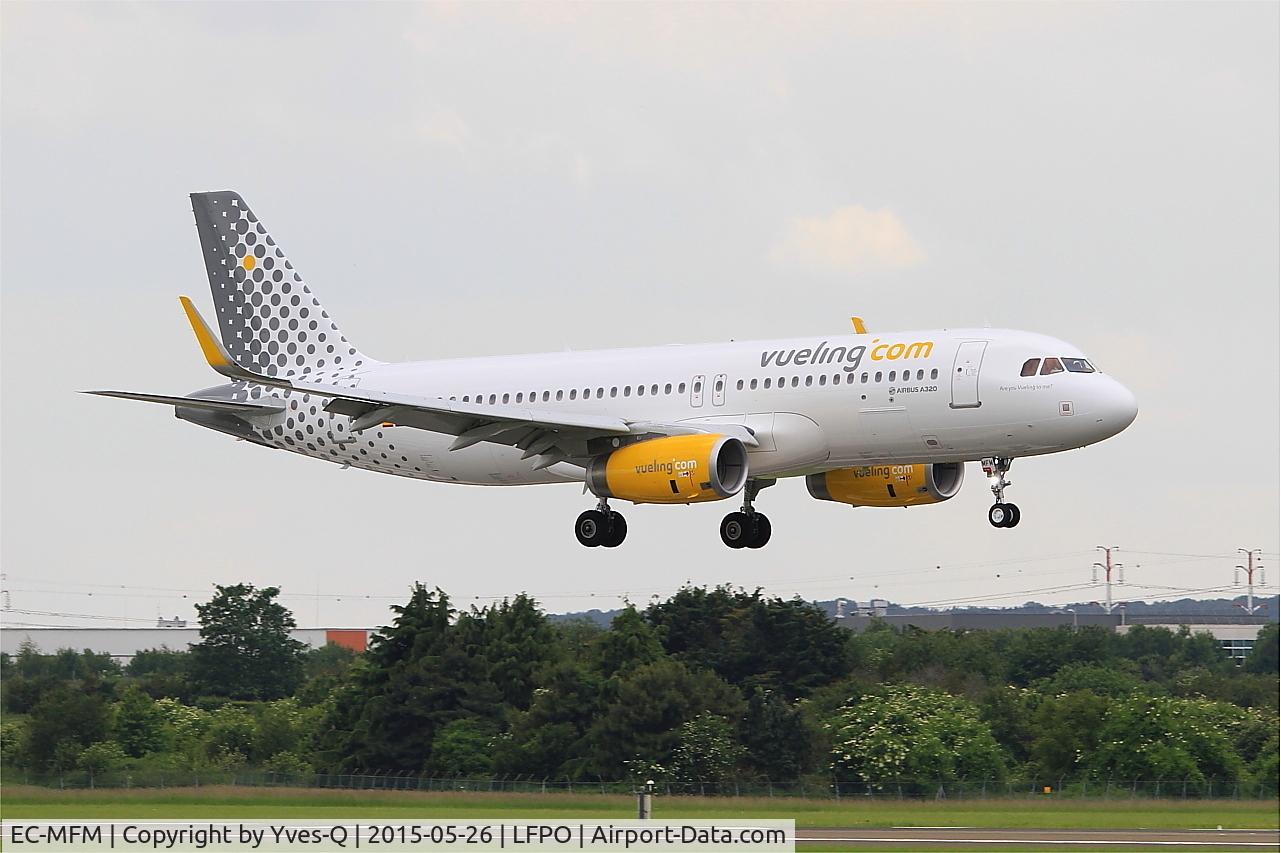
[{"x": 1120, "y": 407}]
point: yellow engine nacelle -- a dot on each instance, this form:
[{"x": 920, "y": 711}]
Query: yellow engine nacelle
[
  {"x": 679, "y": 469},
  {"x": 914, "y": 484}
]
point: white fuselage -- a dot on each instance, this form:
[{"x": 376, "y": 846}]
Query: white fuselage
[{"x": 815, "y": 403}]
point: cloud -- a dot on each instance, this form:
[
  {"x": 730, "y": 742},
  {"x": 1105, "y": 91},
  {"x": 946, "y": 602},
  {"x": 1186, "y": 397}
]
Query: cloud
[{"x": 851, "y": 239}]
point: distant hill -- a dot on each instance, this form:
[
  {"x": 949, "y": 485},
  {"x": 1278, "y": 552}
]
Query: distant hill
[{"x": 1183, "y": 608}]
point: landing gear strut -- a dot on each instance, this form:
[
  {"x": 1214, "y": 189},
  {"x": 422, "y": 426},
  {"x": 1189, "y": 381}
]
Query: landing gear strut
[
  {"x": 601, "y": 527},
  {"x": 747, "y": 528},
  {"x": 1000, "y": 514}
]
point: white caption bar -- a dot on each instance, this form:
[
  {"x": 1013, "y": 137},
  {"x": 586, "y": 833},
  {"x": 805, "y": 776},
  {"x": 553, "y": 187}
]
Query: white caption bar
[{"x": 399, "y": 835}]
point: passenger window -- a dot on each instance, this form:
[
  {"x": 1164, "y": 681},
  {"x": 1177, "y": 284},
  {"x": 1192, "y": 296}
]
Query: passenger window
[
  {"x": 640, "y": 390},
  {"x": 920, "y": 374},
  {"x": 934, "y": 374},
  {"x": 878, "y": 376},
  {"x": 546, "y": 395},
  {"x": 720, "y": 385},
  {"x": 739, "y": 385},
  {"x": 466, "y": 398},
  {"x": 1029, "y": 367},
  {"x": 600, "y": 392},
  {"x": 520, "y": 396},
  {"x": 809, "y": 381},
  {"x": 822, "y": 379},
  {"x": 1051, "y": 365},
  {"x": 653, "y": 390},
  {"x": 767, "y": 383},
  {"x": 573, "y": 393},
  {"x": 795, "y": 381},
  {"x": 493, "y": 398},
  {"x": 507, "y": 398},
  {"x": 560, "y": 395},
  {"x": 698, "y": 387},
  {"x": 680, "y": 389},
  {"x": 753, "y": 386},
  {"x": 627, "y": 390},
  {"x": 892, "y": 372},
  {"x": 849, "y": 378},
  {"x": 1078, "y": 365},
  {"x": 667, "y": 389},
  {"x": 613, "y": 391}
]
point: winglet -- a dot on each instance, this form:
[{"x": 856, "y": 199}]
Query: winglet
[
  {"x": 215, "y": 353},
  {"x": 859, "y": 329}
]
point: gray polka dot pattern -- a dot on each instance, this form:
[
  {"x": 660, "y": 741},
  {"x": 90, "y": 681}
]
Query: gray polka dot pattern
[{"x": 270, "y": 321}]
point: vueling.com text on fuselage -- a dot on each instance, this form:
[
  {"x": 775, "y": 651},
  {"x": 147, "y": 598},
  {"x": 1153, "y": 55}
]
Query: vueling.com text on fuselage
[{"x": 848, "y": 357}]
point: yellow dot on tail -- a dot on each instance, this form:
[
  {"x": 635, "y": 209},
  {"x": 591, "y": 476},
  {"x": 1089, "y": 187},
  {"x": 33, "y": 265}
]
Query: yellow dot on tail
[{"x": 248, "y": 262}]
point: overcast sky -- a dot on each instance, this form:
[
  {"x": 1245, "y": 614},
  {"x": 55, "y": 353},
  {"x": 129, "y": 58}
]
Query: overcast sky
[{"x": 465, "y": 179}]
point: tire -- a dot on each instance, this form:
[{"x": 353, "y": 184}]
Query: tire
[
  {"x": 999, "y": 515},
  {"x": 736, "y": 530},
  {"x": 1015, "y": 515},
  {"x": 617, "y": 531},
  {"x": 762, "y": 533},
  {"x": 592, "y": 528}
]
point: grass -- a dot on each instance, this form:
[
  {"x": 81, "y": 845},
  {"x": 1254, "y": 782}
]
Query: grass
[{"x": 28, "y": 802}]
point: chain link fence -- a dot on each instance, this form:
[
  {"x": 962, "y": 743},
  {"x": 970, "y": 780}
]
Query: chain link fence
[{"x": 811, "y": 788}]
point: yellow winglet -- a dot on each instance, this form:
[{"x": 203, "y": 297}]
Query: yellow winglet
[
  {"x": 858, "y": 326},
  {"x": 215, "y": 353}
]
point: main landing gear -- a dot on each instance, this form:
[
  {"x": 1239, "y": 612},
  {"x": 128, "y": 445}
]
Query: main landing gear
[
  {"x": 747, "y": 528},
  {"x": 1000, "y": 514},
  {"x": 601, "y": 527}
]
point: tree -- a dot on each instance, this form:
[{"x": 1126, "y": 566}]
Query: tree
[
  {"x": 464, "y": 748},
  {"x": 915, "y": 735},
  {"x": 245, "y": 651},
  {"x": 1264, "y": 656},
  {"x": 63, "y": 722},
  {"x": 749, "y": 640},
  {"x": 1159, "y": 737},
  {"x": 776, "y": 737},
  {"x": 629, "y": 643},
  {"x": 518, "y": 640},
  {"x": 419, "y": 674},
  {"x": 551, "y": 739},
  {"x": 1066, "y": 732},
  {"x": 102, "y": 757},
  {"x": 706, "y": 753},
  {"x": 138, "y": 726},
  {"x": 643, "y": 721}
]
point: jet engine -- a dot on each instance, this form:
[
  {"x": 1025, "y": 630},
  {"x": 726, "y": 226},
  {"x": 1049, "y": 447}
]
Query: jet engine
[
  {"x": 913, "y": 484},
  {"x": 678, "y": 469}
]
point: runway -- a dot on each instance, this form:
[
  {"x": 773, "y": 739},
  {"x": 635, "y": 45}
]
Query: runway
[{"x": 910, "y": 838}]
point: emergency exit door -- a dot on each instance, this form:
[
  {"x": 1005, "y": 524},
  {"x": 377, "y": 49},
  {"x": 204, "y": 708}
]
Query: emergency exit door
[{"x": 965, "y": 375}]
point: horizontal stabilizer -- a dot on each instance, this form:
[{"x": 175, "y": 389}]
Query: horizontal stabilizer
[{"x": 231, "y": 406}]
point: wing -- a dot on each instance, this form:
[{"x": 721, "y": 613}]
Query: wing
[
  {"x": 551, "y": 436},
  {"x": 232, "y": 406}
]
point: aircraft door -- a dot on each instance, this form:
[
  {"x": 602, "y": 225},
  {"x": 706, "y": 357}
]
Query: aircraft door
[
  {"x": 965, "y": 375},
  {"x": 718, "y": 390},
  {"x": 696, "y": 391}
]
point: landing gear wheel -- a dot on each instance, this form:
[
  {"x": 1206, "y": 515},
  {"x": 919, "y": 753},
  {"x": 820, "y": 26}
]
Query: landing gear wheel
[
  {"x": 1003, "y": 515},
  {"x": 617, "y": 531},
  {"x": 762, "y": 531},
  {"x": 736, "y": 530},
  {"x": 1015, "y": 515},
  {"x": 592, "y": 528}
]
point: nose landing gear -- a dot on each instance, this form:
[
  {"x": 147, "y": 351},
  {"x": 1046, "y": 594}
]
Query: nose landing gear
[
  {"x": 747, "y": 528},
  {"x": 1000, "y": 514},
  {"x": 601, "y": 527}
]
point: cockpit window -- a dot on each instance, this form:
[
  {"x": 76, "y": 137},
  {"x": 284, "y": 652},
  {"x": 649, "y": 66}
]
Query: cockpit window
[
  {"x": 1078, "y": 365},
  {"x": 1052, "y": 365},
  {"x": 1029, "y": 367}
]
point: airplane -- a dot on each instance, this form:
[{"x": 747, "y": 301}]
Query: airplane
[{"x": 873, "y": 420}]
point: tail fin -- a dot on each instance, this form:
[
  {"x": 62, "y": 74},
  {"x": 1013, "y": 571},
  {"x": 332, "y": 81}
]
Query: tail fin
[{"x": 270, "y": 321}]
